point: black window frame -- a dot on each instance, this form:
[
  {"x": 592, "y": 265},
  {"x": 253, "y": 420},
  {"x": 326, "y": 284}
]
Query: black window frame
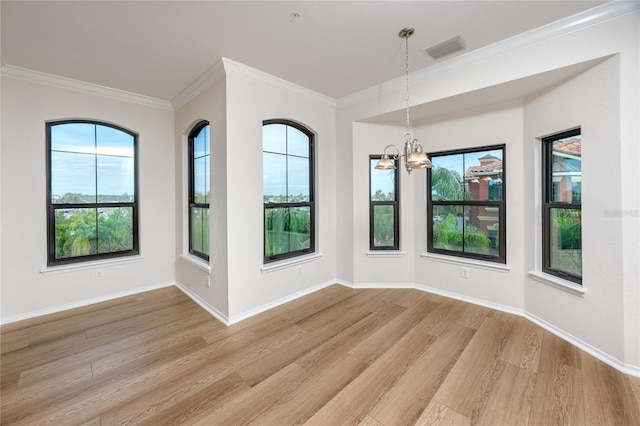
[
  {"x": 548, "y": 205},
  {"x": 501, "y": 205},
  {"x": 394, "y": 203},
  {"x": 193, "y": 134},
  {"x": 53, "y": 207},
  {"x": 310, "y": 204}
]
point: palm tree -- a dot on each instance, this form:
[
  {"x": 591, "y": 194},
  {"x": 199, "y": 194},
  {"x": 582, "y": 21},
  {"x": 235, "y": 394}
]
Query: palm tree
[{"x": 447, "y": 184}]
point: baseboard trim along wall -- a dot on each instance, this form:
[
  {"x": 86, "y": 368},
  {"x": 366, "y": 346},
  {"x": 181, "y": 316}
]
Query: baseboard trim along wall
[
  {"x": 81, "y": 303},
  {"x": 204, "y": 305}
]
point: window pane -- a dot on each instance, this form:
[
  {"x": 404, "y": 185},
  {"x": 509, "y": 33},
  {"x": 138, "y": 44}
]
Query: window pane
[
  {"x": 446, "y": 178},
  {"x": 481, "y": 230},
  {"x": 382, "y": 183},
  {"x": 201, "y": 143},
  {"x": 200, "y": 230},
  {"x": 383, "y": 226},
  {"x": 74, "y": 137},
  {"x": 297, "y": 143},
  {"x": 116, "y": 181},
  {"x": 566, "y": 169},
  {"x": 274, "y": 178},
  {"x": 448, "y": 225},
  {"x": 112, "y": 141},
  {"x": 201, "y": 180},
  {"x": 274, "y": 138},
  {"x": 287, "y": 229},
  {"x": 566, "y": 240},
  {"x": 298, "y": 179},
  {"x": 276, "y": 239},
  {"x": 75, "y": 233},
  {"x": 483, "y": 170},
  {"x": 73, "y": 178},
  {"x": 299, "y": 228},
  {"x": 115, "y": 229}
]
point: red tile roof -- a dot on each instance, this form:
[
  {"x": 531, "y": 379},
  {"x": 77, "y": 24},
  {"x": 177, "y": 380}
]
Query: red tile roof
[
  {"x": 571, "y": 146},
  {"x": 484, "y": 168}
]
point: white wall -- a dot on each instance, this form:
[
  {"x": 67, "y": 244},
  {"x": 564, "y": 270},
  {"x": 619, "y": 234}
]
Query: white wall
[
  {"x": 381, "y": 268},
  {"x": 210, "y": 106},
  {"x": 26, "y": 106},
  {"x": 489, "y": 125},
  {"x": 252, "y": 97},
  {"x": 597, "y": 318}
]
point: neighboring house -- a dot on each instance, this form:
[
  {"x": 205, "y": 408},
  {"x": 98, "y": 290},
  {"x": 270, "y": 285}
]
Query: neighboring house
[
  {"x": 484, "y": 182},
  {"x": 567, "y": 170}
]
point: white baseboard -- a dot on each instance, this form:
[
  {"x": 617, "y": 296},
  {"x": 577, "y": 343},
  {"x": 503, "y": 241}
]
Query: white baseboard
[
  {"x": 247, "y": 314},
  {"x": 81, "y": 303},
  {"x": 213, "y": 311},
  {"x": 591, "y": 350},
  {"x": 472, "y": 300}
]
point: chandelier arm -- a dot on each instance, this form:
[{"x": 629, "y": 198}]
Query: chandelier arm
[{"x": 398, "y": 155}]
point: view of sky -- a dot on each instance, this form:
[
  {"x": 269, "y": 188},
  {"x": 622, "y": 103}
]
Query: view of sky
[
  {"x": 285, "y": 161},
  {"x": 202, "y": 164},
  {"x": 381, "y": 179},
  {"x": 82, "y": 151}
]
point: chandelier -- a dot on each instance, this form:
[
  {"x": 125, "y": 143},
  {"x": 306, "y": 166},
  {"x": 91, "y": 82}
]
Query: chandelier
[{"x": 414, "y": 157}]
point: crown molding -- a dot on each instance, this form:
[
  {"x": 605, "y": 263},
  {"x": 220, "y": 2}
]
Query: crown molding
[
  {"x": 261, "y": 77},
  {"x": 199, "y": 85},
  {"x": 81, "y": 86},
  {"x": 579, "y": 21}
]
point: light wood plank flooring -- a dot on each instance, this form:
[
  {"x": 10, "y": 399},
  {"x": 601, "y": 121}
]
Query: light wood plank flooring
[{"x": 338, "y": 356}]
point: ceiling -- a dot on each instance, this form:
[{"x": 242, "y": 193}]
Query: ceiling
[{"x": 336, "y": 48}]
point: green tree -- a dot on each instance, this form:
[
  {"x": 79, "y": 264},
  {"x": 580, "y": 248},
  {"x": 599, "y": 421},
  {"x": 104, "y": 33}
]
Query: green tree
[
  {"x": 448, "y": 234},
  {"x": 447, "y": 184},
  {"x": 287, "y": 229}
]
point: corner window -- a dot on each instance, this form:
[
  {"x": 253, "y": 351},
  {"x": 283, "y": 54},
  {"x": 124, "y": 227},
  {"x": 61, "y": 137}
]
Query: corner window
[
  {"x": 466, "y": 203},
  {"x": 199, "y": 191},
  {"x": 384, "y": 227},
  {"x": 287, "y": 190},
  {"x": 561, "y": 210},
  {"x": 92, "y": 197}
]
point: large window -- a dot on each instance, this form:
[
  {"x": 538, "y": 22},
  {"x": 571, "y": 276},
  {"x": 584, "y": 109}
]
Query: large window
[
  {"x": 561, "y": 211},
  {"x": 287, "y": 190},
  {"x": 466, "y": 203},
  {"x": 92, "y": 196},
  {"x": 199, "y": 191},
  {"x": 384, "y": 228}
]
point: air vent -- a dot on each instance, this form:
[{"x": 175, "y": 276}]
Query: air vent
[{"x": 447, "y": 47}]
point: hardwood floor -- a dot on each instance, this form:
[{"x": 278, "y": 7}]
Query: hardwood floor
[{"x": 338, "y": 356}]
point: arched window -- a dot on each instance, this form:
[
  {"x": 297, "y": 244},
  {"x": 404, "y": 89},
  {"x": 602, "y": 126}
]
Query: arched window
[
  {"x": 92, "y": 191},
  {"x": 199, "y": 191},
  {"x": 288, "y": 195}
]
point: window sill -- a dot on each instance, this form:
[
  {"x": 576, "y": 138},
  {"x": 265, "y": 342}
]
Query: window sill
[
  {"x": 559, "y": 283},
  {"x": 385, "y": 253},
  {"x": 81, "y": 266},
  {"x": 490, "y": 266},
  {"x": 276, "y": 266},
  {"x": 196, "y": 261}
]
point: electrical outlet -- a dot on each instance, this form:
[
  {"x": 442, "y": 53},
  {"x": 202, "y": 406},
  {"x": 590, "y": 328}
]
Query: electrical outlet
[
  {"x": 98, "y": 275},
  {"x": 464, "y": 272},
  {"x": 208, "y": 281}
]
